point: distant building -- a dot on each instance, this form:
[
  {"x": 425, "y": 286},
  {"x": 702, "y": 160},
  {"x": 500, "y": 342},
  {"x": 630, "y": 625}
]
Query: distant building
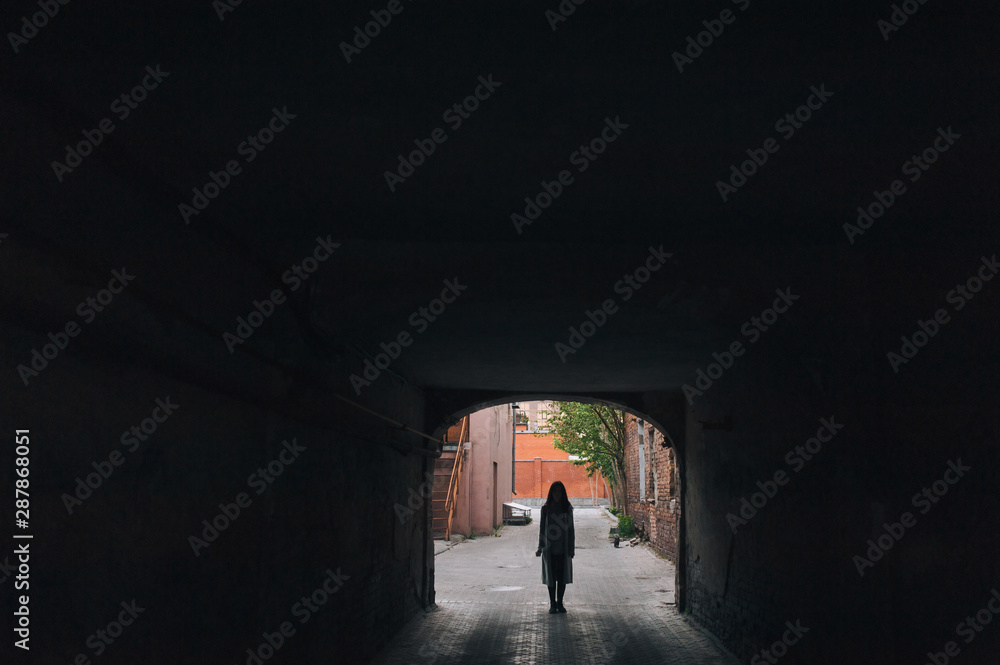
[
  {"x": 483, "y": 480},
  {"x": 539, "y": 463}
]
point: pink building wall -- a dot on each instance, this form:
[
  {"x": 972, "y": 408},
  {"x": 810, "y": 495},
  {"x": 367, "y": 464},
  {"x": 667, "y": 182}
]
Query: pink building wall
[{"x": 479, "y": 505}]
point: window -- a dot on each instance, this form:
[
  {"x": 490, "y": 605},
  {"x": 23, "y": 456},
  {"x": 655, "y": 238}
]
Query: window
[
  {"x": 642, "y": 460},
  {"x": 652, "y": 462},
  {"x": 673, "y": 470}
]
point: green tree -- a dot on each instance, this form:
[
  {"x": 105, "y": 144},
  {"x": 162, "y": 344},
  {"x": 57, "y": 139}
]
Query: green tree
[{"x": 595, "y": 433}]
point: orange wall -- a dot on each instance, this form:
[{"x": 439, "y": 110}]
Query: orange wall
[
  {"x": 539, "y": 464},
  {"x": 529, "y": 446}
]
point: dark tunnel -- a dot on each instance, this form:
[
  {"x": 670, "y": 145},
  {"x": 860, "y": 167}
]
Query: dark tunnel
[{"x": 258, "y": 261}]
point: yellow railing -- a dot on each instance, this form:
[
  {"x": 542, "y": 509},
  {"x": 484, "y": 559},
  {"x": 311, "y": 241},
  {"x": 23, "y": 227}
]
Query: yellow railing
[{"x": 456, "y": 478}]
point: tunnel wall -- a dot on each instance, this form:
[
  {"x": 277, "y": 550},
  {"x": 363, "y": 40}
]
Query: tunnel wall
[
  {"x": 794, "y": 555},
  {"x": 345, "y": 504},
  {"x": 323, "y": 518}
]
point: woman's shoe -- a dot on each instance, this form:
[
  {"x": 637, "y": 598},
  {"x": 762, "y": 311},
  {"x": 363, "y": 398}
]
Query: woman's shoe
[
  {"x": 560, "y": 608},
  {"x": 553, "y": 608}
]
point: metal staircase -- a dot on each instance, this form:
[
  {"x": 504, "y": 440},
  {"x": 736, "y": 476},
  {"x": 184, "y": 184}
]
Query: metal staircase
[{"x": 447, "y": 480}]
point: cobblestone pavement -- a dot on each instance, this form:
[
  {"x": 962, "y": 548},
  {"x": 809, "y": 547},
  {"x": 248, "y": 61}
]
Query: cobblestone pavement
[{"x": 493, "y": 607}]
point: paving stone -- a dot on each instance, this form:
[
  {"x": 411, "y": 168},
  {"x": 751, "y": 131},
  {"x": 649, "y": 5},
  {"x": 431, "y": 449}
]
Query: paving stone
[{"x": 493, "y": 608}]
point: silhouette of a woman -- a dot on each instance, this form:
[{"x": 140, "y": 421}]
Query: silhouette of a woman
[{"x": 557, "y": 542}]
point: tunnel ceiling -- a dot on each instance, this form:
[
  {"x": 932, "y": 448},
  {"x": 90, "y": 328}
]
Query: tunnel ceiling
[{"x": 605, "y": 69}]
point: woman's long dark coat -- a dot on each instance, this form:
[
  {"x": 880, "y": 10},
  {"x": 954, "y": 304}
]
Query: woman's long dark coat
[{"x": 568, "y": 551}]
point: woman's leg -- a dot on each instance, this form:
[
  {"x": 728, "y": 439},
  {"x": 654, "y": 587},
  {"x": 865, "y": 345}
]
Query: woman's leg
[
  {"x": 561, "y": 589},
  {"x": 559, "y": 575},
  {"x": 552, "y": 583}
]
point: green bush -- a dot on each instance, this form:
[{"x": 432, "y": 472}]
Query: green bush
[
  {"x": 615, "y": 510},
  {"x": 626, "y": 526}
]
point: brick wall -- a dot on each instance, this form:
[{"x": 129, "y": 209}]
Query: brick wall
[
  {"x": 534, "y": 477},
  {"x": 539, "y": 464},
  {"x": 658, "y": 512},
  {"x": 530, "y": 445}
]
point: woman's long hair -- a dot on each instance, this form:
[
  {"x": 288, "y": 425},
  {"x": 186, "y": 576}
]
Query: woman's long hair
[{"x": 551, "y": 502}]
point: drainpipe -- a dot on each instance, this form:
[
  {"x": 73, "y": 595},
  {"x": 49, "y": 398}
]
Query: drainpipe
[
  {"x": 468, "y": 460},
  {"x": 513, "y": 440}
]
